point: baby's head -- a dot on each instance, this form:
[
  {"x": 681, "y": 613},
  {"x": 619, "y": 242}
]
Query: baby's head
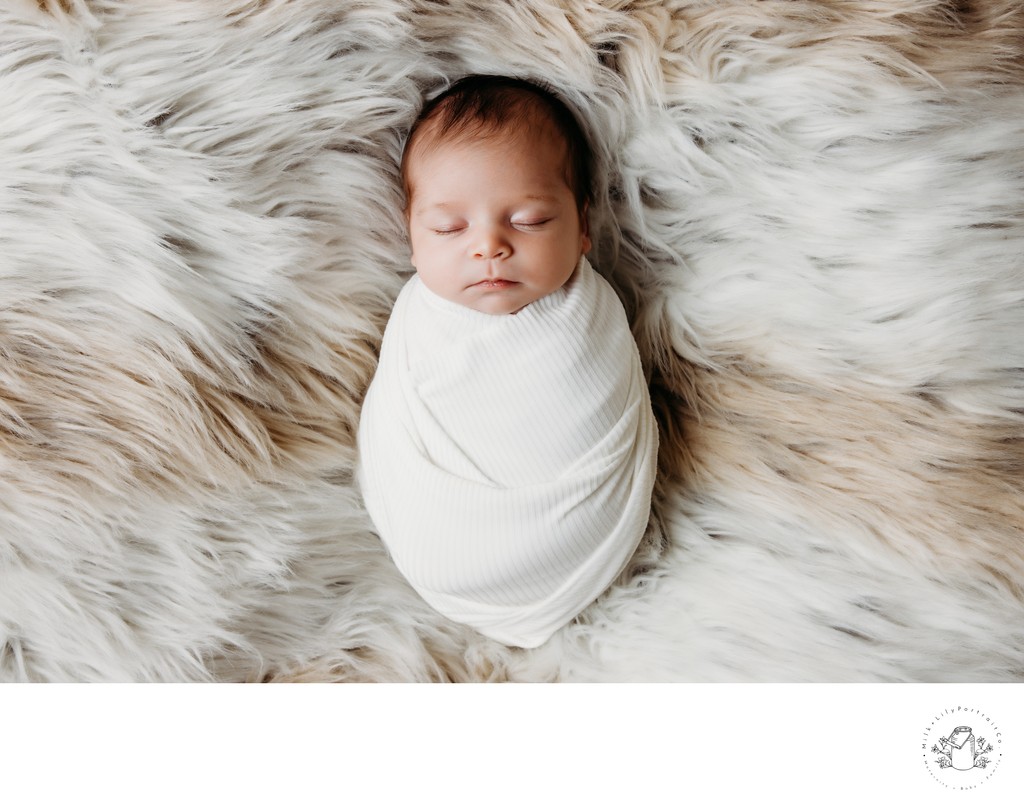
[{"x": 497, "y": 185}]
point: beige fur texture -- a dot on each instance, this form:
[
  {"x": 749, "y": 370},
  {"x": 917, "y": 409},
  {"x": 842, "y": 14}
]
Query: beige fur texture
[{"x": 812, "y": 210}]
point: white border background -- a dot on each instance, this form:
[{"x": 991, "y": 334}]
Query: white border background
[{"x": 523, "y": 746}]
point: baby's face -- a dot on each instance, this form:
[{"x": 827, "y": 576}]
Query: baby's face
[{"x": 493, "y": 224}]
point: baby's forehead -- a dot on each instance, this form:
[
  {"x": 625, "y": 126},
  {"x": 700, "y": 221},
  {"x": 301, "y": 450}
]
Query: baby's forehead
[
  {"x": 447, "y": 164},
  {"x": 541, "y": 145}
]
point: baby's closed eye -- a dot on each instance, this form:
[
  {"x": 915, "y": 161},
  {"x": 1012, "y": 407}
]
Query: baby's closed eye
[{"x": 531, "y": 224}]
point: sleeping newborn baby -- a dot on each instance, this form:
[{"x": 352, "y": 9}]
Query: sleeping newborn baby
[{"x": 507, "y": 446}]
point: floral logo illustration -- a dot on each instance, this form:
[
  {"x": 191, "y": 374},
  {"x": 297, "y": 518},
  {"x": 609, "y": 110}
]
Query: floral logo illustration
[
  {"x": 961, "y": 750},
  {"x": 962, "y": 747}
]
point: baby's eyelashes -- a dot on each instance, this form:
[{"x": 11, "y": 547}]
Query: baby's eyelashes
[{"x": 533, "y": 224}]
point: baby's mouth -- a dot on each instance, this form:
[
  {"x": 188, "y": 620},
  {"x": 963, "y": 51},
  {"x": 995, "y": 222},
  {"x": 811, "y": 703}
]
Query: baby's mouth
[{"x": 495, "y": 283}]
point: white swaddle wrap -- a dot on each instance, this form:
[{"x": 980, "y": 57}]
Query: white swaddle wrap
[{"x": 507, "y": 461}]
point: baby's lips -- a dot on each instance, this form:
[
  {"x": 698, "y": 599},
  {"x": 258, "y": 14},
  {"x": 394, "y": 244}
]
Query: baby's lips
[{"x": 495, "y": 283}]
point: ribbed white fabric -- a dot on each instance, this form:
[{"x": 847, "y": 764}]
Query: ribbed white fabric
[{"x": 507, "y": 461}]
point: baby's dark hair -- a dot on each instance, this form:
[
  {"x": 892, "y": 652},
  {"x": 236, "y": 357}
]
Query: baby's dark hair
[{"x": 482, "y": 105}]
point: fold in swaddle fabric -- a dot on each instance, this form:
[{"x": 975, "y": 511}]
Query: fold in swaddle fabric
[{"x": 507, "y": 461}]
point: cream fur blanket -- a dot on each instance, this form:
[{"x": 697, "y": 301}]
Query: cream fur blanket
[
  {"x": 508, "y": 460},
  {"x": 811, "y": 209}
]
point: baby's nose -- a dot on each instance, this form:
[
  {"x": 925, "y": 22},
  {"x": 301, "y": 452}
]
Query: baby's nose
[{"x": 491, "y": 243}]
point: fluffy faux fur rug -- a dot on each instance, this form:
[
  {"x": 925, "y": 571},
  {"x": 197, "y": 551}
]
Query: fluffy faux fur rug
[{"x": 814, "y": 212}]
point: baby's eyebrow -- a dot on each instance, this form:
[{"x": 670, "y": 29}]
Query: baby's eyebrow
[
  {"x": 443, "y": 206},
  {"x": 420, "y": 209}
]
